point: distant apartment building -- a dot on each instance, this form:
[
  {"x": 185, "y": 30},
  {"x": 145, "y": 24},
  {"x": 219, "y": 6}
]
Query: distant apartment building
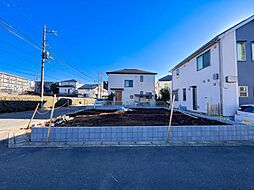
[
  {"x": 69, "y": 87},
  {"x": 163, "y": 83},
  {"x": 130, "y": 86},
  {"x": 219, "y": 76},
  {"x": 13, "y": 84}
]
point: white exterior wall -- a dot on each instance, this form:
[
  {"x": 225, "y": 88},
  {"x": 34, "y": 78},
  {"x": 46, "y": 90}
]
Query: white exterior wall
[
  {"x": 229, "y": 68},
  {"x": 207, "y": 88},
  {"x": 117, "y": 81},
  {"x": 64, "y": 90},
  {"x": 90, "y": 93},
  {"x": 224, "y": 52}
]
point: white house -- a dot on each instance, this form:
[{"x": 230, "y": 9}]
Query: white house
[
  {"x": 163, "y": 83},
  {"x": 69, "y": 87},
  {"x": 219, "y": 76},
  {"x": 131, "y": 86},
  {"x": 92, "y": 91}
]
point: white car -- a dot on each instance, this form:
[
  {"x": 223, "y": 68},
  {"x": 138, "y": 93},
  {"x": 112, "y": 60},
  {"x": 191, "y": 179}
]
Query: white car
[
  {"x": 245, "y": 114},
  {"x": 99, "y": 102}
]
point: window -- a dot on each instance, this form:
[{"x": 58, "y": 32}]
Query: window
[
  {"x": 177, "y": 73},
  {"x": 243, "y": 91},
  {"x": 175, "y": 92},
  {"x": 241, "y": 51},
  {"x": 252, "y": 51},
  {"x": 141, "y": 78},
  {"x": 128, "y": 83},
  {"x": 203, "y": 60},
  {"x": 141, "y": 92},
  {"x": 131, "y": 96},
  {"x": 184, "y": 94}
]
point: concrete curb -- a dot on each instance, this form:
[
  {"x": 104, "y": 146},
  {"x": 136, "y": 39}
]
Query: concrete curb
[{"x": 143, "y": 144}]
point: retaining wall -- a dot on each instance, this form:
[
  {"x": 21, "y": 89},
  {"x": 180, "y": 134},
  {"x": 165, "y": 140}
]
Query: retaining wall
[{"x": 144, "y": 133}]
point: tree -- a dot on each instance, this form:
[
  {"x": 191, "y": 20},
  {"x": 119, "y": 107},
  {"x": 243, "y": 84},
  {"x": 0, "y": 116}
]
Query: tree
[
  {"x": 54, "y": 88},
  {"x": 111, "y": 96},
  {"x": 164, "y": 94}
]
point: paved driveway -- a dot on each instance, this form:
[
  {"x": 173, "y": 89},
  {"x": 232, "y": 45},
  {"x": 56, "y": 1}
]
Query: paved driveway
[
  {"x": 128, "y": 168},
  {"x": 14, "y": 121}
]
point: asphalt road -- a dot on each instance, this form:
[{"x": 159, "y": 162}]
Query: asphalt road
[
  {"x": 128, "y": 168},
  {"x": 14, "y": 121}
]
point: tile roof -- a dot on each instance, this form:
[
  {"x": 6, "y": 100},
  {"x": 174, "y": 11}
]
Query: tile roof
[
  {"x": 88, "y": 86},
  {"x": 131, "y": 71},
  {"x": 166, "y": 78}
]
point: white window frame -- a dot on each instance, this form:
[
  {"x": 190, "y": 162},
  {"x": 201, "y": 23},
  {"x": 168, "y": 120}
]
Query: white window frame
[
  {"x": 246, "y": 90},
  {"x": 241, "y": 58}
]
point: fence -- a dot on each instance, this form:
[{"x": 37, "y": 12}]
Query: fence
[
  {"x": 213, "y": 109},
  {"x": 144, "y": 134}
]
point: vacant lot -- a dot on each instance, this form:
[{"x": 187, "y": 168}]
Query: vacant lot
[{"x": 135, "y": 117}]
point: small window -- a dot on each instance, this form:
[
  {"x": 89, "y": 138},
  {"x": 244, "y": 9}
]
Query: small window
[
  {"x": 252, "y": 51},
  {"x": 203, "y": 60},
  {"x": 141, "y": 78},
  {"x": 177, "y": 73},
  {"x": 241, "y": 51},
  {"x": 184, "y": 94},
  {"x": 131, "y": 96},
  {"x": 128, "y": 83},
  {"x": 175, "y": 92},
  {"x": 141, "y": 92},
  {"x": 243, "y": 91}
]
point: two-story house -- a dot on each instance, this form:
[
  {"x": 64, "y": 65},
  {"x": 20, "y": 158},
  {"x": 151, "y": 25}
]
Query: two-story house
[
  {"x": 163, "y": 83},
  {"x": 69, "y": 87},
  {"x": 131, "y": 86},
  {"x": 219, "y": 76},
  {"x": 92, "y": 91}
]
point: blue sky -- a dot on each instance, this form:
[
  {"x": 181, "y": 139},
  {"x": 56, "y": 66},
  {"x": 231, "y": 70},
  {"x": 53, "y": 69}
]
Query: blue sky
[{"x": 104, "y": 35}]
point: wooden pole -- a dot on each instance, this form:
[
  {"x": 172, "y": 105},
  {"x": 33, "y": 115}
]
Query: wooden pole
[
  {"x": 51, "y": 116},
  {"x": 30, "y": 121},
  {"x": 170, "y": 119}
]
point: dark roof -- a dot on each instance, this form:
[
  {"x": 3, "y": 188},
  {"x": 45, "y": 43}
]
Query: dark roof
[
  {"x": 131, "y": 71},
  {"x": 116, "y": 89},
  {"x": 166, "y": 78},
  {"x": 212, "y": 42},
  {"x": 88, "y": 86},
  {"x": 71, "y": 80}
]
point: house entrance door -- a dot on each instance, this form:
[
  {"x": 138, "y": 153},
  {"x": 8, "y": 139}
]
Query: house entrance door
[
  {"x": 118, "y": 99},
  {"x": 194, "y": 98}
]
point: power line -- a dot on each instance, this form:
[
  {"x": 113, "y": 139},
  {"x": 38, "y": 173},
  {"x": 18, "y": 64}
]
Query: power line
[
  {"x": 56, "y": 58},
  {"x": 14, "y": 31}
]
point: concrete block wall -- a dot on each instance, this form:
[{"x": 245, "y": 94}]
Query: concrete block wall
[{"x": 144, "y": 133}]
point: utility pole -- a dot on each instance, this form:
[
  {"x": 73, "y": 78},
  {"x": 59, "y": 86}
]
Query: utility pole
[
  {"x": 44, "y": 56},
  {"x": 99, "y": 85},
  {"x": 43, "y": 62}
]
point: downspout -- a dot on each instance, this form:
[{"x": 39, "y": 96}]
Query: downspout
[{"x": 221, "y": 77}]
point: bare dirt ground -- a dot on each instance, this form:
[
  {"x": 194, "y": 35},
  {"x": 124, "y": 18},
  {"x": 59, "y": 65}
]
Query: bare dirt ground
[{"x": 136, "y": 117}]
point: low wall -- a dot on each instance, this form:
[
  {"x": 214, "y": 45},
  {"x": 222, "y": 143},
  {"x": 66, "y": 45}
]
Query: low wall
[
  {"x": 144, "y": 133},
  {"x": 15, "y": 103}
]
